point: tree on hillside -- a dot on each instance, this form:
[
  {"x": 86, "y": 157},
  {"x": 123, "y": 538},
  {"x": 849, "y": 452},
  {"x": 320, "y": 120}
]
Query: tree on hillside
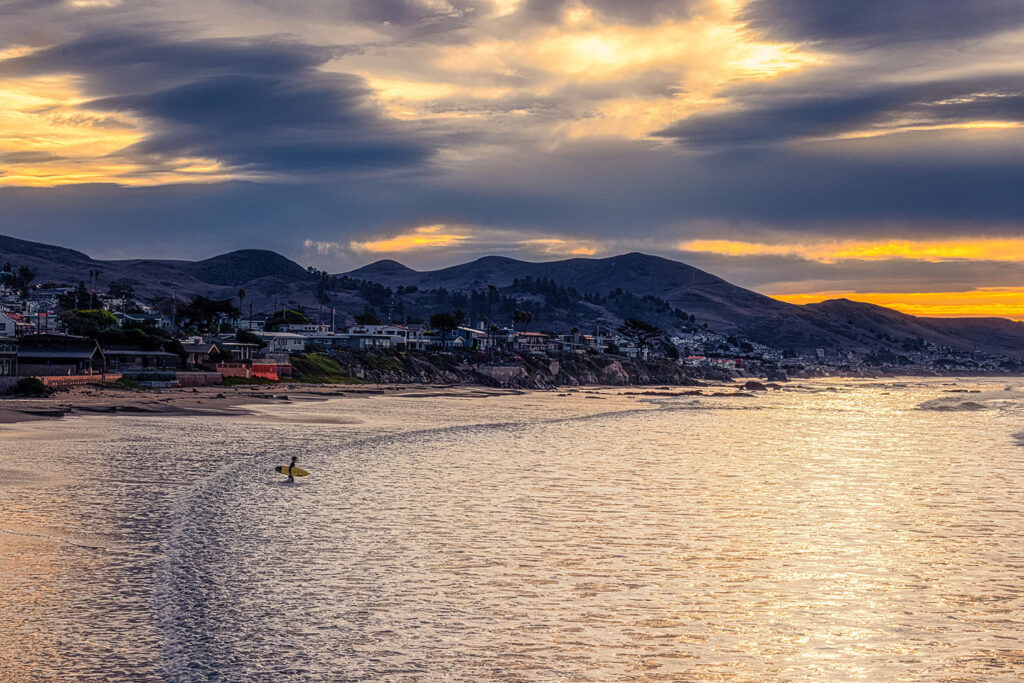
[
  {"x": 121, "y": 289},
  {"x": 88, "y": 323},
  {"x": 444, "y": 323},
  {"x": 201, "y": 312},
  {"x": 18, "y": 279},
  {"x": 75, "y": 299},
  {"x": 523, "y": 317},
  {"x": 247, "y": 337},
  {"x": 367, "y": 317},
  {"x": 641, "y": 333},
  {"x": 286, "y": 316},
  {"x": 131, "y": 338},
  {"x": 241, "y": 297}
]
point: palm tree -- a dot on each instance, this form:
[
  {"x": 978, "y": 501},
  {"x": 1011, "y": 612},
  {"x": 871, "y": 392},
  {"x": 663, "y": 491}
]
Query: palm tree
[{"x": 241, "y": 298}]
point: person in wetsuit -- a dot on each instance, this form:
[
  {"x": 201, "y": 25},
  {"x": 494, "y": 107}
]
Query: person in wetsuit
[{"x": 294, "y": 459}]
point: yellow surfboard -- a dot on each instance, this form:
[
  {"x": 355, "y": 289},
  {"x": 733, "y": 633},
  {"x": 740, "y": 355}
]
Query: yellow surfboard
[{"x": 296, "y": 472}]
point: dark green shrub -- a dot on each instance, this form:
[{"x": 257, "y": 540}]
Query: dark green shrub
[{"x": 32, "y": 386}]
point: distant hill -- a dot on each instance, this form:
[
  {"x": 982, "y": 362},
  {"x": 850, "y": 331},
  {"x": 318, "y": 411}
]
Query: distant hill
[
  {"x": 246, "y": 265},
  {"x": 579, "y": 292}
]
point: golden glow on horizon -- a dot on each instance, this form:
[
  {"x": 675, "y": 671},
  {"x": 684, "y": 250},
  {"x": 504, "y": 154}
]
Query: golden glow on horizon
[
  {"x": 868, "y": 250},
  {"x": 425, "y": 237},
  {"x": 999, "y": 302}
]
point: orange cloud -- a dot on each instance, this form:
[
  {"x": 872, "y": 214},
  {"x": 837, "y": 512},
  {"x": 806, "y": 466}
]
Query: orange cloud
[
  {"x": 425, "y": 237},
  {"x": 552, "y": 245},
  {"x": 869, "y": 250},
  {"x": 47, "y": 138},
  {"x": 1002, "y": 302}
]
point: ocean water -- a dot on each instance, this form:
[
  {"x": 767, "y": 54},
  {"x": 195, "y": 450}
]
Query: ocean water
[{"x": 834, "y": 530}]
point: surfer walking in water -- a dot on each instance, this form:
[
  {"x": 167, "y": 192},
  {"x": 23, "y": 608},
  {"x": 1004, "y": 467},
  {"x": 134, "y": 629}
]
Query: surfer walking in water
[{"x": 291, "y": 477}]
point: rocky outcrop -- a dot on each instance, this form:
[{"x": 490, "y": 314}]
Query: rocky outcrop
[{"x": 527, "y": 372}]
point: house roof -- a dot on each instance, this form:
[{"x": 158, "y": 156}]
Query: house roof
[
  {"x": 63, "y": 354},
  {"x": 137, "y": 352},
  {"x": 199, "y": 348}
]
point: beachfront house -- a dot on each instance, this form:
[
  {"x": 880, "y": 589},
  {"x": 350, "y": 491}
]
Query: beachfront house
[
  {"x": 530, "y": 342},
  {"x": 416, "y": 337},
  {"x": 326, "y": 341},
  {"x": 8, "y": 358},
  {"x": 135, "y": 360},
  {"x": 199, "y": 352},
  {"x": 365, "y": 341},
  {"x": 282, "y": 342},
  {"x": 240, "y": 351},
  {"x": 59, "y": 354},
  {"x": 472, "y": 338},
  {"x": 397, "y": 334}
]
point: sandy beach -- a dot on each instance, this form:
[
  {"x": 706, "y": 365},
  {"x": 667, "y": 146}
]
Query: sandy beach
[
  {"x": 202, "y": 401},
  {"x": 227, "y": 401}
]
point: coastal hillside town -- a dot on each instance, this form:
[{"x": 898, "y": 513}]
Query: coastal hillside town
[{"x": 69, "y": 334}]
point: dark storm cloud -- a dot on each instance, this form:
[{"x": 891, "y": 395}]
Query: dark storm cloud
[
  {"x": 883, "y": 22},
  {"x": 262, "y": 105},
  {"x": 113, "y": 62},
  {"x": 772, "y": 119}
]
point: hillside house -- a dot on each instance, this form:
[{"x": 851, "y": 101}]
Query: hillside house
[
  {"x": 8, "y": 326},
  {"x": 253, "y": 325},
  {"x": 305, "y": 328}
]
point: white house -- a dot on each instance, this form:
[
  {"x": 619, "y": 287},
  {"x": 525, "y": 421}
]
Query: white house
[
  {"x": 8, "y": 326},
  {"x": 305, "y": 328},
  {"x": 398, "y": 334},
  {"x": 283, "y": 342}
]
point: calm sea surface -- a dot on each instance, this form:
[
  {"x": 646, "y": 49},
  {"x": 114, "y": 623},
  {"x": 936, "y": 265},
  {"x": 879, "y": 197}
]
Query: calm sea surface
[{"x": 835, "y": 530}]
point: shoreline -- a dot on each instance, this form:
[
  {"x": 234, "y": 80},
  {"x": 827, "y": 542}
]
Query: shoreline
[
  {"x": 222, "y": 401},
  {"x": 212, "y": 401}
]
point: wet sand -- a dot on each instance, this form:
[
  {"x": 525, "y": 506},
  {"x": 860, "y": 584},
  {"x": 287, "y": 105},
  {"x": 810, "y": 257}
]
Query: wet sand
[{"x": 209, "y": 401}]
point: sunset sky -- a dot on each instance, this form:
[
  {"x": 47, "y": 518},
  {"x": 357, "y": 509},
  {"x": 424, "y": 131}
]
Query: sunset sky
[{"x": 804, "y": 148}]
